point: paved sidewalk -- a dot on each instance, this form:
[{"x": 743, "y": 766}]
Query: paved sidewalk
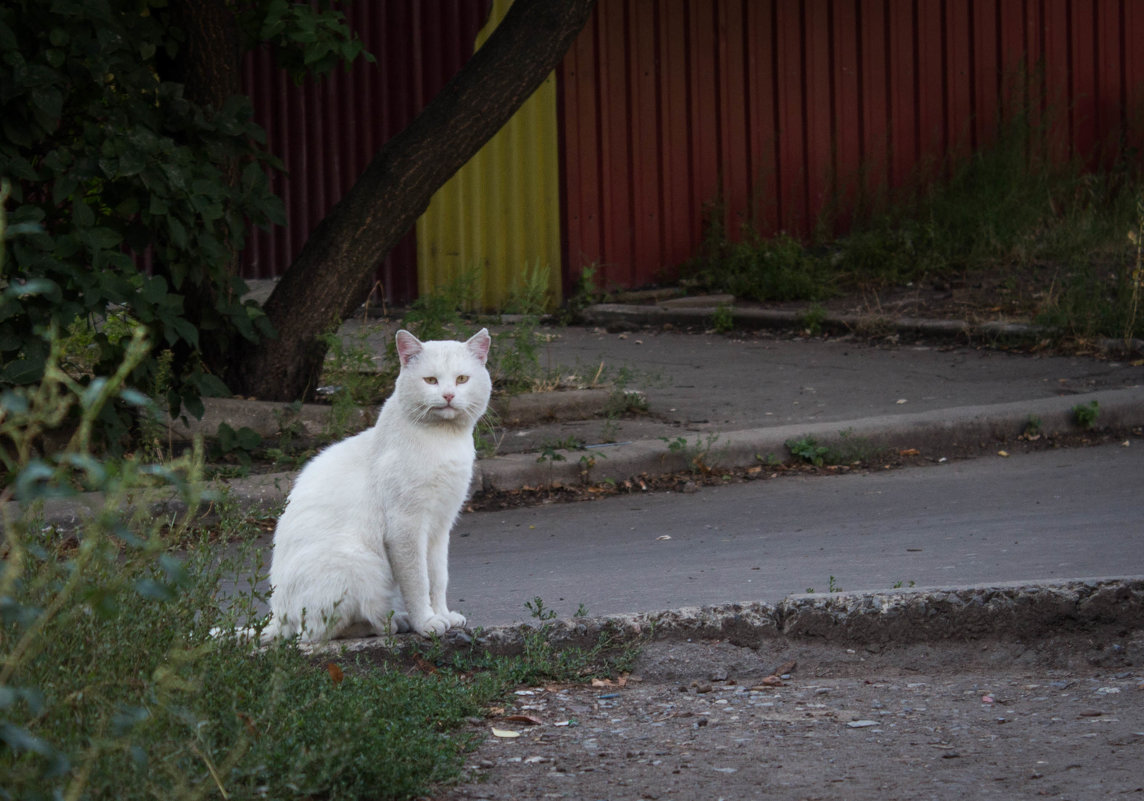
[
  {"x": 741, "y": 398},
  {"x": 744, "y": 397}
]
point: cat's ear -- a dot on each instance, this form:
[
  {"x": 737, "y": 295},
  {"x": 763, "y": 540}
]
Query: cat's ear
[
  {"x": 408, "y": 347},
  {"x": 479, "y": 343}
]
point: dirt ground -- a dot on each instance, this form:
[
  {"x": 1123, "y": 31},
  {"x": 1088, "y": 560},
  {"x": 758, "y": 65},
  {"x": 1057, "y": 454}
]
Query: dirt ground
[
  {"x": 1013, "y": 294},
  {"x": 1060, "y": 719}
]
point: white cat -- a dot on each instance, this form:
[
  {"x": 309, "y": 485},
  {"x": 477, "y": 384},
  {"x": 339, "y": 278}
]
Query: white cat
[{"x": 364, "y": 540}]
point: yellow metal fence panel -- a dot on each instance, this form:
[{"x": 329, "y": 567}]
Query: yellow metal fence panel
[{"x": 498, "y": 219}]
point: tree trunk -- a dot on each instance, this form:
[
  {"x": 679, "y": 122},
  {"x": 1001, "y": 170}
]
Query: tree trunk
[{"x": 332, "y": 275}]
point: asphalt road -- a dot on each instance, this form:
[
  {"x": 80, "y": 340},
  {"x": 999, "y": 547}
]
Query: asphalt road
[{"x": 1049, "y": 515}]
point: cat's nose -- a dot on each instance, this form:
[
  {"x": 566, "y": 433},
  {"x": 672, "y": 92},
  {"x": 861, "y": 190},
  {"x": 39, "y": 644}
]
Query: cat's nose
[{"x": 448, "y": 396}]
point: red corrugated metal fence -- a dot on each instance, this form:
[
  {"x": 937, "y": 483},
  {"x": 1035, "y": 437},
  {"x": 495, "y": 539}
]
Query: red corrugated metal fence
[
  {"x": 326, "y": 131},
  {"x": 780, "y": 109}
]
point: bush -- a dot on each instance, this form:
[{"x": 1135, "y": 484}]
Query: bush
[
  {"x": 112, "y": 166},
  {"x": 777, "y": 269}
]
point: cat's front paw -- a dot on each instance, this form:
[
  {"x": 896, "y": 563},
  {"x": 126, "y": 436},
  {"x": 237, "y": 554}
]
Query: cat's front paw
[
  {"x": 456, "y": 620},
  {"x": 434, "y": 624}
]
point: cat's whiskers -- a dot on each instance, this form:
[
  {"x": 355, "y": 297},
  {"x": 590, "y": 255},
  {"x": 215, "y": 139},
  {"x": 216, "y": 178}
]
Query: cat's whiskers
[{"x": 423, "y": 411}]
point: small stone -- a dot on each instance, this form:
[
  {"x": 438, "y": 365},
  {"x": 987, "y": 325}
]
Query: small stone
[
  {"x": 459, "y": 637},
  {"x": 862, "y": 724}
]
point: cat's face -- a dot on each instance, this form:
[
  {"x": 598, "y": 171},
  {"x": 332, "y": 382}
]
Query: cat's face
[{"x": 443, "y": 381}]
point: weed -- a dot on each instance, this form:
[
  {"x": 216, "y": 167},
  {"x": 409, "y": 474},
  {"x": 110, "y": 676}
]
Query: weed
[
  {"x": 538, "y": 610},
  {"x": 808, "y": 450},
  {"x": 832, "y": 585},
  {"x": 540, "y": 660},
  {"x": 812, "y": 320},
  {"x": 587, "y": 462},
  {"x": 1032, "y": 430},
  {"x": 437, "y": 314},
  {"x": 584, "y": 293},
  {"x": 1086, "y": 301},
  {"x": 625, "y": 402},
  {"x": 1004, "y": 205},
  {"x": 530, "y": 296},
  {"x": 234, "y": 446},
  {"x": 698, "y": 454},
  {"x": 486, "y": 438},
  {"x": 898, "y": 585},
  {"x": 514, "y": 361},
  {"x": 723, "y": 320},
  {"x": 1085, "y": 414},
  {"x": 550, "y": 447},
  {"x": 848, "y": 450},
  {"x": 549, "y": 454},
  {"x": 778, "y": 269}
]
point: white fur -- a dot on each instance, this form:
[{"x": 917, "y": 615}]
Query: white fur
[{"x": 364, "y": 540}]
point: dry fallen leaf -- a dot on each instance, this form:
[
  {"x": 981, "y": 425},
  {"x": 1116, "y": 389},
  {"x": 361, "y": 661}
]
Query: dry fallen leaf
[
  {"x": 335, "y": 673},
  {"x": 909, "y": 452},
  {"x": 784, "y": 668},
  {"x": 1003, "y": 453},
  {"x": 424, "y": 665},
  {"x": 504, "y": 733},
  {"x": 526, "y": 719}
]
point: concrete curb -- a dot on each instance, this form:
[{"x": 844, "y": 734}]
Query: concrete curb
[
  {"x": 312, "y": 420},
  {"x": 944, "y": 432},
  {"x": 1016, "y": 610},
  {"x": 939, "y": 433},
  {"x": 698, "y": 314}
]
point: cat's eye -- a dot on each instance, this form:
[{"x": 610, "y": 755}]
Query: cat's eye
[
  {"x": 462, "y": 379},
  {"x": 430, "y": 379}
]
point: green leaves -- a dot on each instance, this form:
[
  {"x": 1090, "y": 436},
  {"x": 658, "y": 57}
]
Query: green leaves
[
  {"x": 107, "y": 159},
  {"x": 111, "y": 166},
  {"x": 306, "y": 39}
]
